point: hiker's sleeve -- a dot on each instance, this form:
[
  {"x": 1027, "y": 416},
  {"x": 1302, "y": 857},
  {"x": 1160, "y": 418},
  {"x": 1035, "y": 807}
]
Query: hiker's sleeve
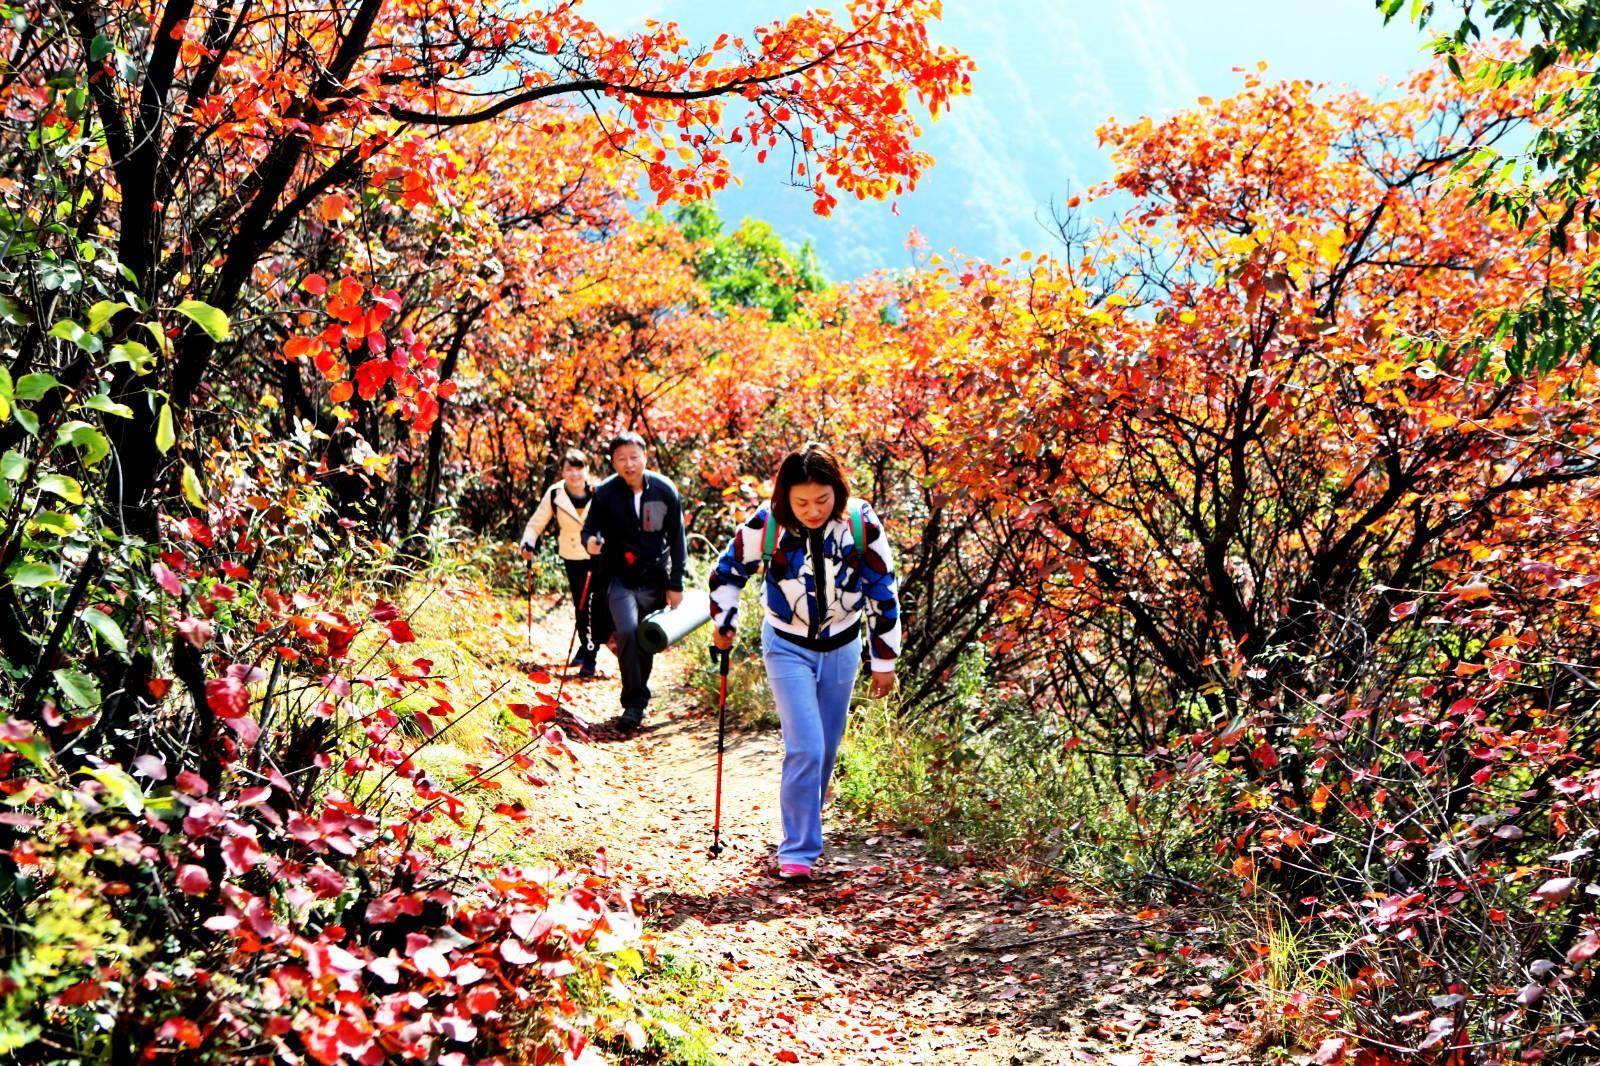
[
  {"x": 883, "y": 597},
  {"x": 733, "y": 569},
  {"x": 591, "y": 520},
  {"x": 538, "y": 523},
  {"x": 677, "y": 543}
]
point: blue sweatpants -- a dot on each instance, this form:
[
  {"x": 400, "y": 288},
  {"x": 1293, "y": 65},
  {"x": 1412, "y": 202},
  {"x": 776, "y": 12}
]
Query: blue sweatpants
[{"x": 812, "y": 692}]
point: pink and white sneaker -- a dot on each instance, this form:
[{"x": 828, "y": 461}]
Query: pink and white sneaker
[{"x": 793, "y": 871}]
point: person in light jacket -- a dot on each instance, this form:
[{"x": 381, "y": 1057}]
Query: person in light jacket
[
  {"x": 566, "y": 503},
  {"x": 828, "y": 567}
]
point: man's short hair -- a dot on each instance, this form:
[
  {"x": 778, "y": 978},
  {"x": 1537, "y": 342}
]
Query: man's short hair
[
  {"x": 622, "y": 440},
  {"x": 574, "y": 458}
]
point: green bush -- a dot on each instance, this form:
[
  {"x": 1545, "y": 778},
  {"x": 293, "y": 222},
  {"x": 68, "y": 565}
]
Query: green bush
[{"x": 992, "y": 779}]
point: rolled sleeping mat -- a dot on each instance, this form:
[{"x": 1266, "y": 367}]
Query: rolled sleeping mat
[{"x": 661, "y": 629}]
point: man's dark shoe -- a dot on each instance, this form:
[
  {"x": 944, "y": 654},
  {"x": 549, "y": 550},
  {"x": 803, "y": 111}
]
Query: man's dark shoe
[
  {"x": 586, "y": 670},
  {"x": 629, "y": 721},
  {"x": 578, "y": 657}
]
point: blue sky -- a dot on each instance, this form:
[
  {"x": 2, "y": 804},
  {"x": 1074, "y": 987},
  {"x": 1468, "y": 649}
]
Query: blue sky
[{"x": 1048, "y": 74}]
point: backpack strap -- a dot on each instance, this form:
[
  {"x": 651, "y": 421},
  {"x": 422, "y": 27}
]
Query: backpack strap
[
  {"x": 858, "y": 528},
  {"x": 769, "y": 539}
]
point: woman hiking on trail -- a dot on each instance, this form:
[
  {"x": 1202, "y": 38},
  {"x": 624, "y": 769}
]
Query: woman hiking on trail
[
  {"x": 827, "y": 562},
  {"x": 566, "y": 503}
]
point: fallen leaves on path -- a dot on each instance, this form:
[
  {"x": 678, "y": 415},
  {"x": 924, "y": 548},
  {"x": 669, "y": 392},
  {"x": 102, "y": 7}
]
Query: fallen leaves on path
[{"x": 885, "y": 956}]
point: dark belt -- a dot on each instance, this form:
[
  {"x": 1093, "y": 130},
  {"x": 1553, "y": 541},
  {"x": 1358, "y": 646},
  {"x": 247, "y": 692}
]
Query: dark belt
[{"x": 830, "y": 643}]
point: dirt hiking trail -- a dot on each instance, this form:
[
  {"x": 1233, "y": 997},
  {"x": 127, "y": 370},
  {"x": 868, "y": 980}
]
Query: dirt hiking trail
[{"x": 885, "y": 956}]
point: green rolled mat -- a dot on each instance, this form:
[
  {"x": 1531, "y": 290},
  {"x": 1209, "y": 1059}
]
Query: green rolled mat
[{"x": 661, "y": 629}]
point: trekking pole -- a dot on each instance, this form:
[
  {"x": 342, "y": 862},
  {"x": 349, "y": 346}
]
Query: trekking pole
[
  {"x": 584, "y": 598},
  {"x": 530, "y": 603},
  {"x": 720, "y": 656}
]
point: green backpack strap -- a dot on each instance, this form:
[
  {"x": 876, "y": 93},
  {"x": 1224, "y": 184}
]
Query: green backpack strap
[
  {"x": 858, "y": 528},
  {"x": 769, "y": 539}
]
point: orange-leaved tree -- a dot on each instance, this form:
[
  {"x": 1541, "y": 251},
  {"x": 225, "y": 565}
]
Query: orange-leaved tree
[{"x": 1333, "y": 591}]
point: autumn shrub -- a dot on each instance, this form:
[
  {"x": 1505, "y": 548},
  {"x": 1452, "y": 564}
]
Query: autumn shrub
[
  {"x": 306, "y": 886},
  {"x": 1297, "y": 544},
  {"x": 990, "y": 783}
]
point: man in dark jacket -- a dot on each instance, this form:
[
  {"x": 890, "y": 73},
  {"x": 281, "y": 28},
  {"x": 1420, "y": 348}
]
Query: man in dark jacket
[{"x": 635, "y": 527}]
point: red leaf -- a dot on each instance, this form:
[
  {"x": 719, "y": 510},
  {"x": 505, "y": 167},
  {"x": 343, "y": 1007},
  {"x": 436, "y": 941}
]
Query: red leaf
[
  {"x": 196, "y": 631},
  {"x": 180, "y": 1031},
  {"x": 241, "y": 853},
  {"x": 787, "y": 1056},
  {"x": 200, "y": 532},
  {"x": 227, "y": 696},
  {"x": 167, "y": 580},
  {"x": 371, "y": 375},
  {"x": 77, "y": 995},
  {"x": 1330, "y": 1051},
  {"x": 1556, "y": 889},
  {"x": 193, "y": 881},
  {"x": 400, "y": 631}
]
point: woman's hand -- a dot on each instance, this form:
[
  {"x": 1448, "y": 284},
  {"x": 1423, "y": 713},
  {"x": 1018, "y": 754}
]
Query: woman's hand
[
  {"x": 722, "y": 639},
  {"x": 674, "y": 597},
  {"x": 882, "y": 683}
]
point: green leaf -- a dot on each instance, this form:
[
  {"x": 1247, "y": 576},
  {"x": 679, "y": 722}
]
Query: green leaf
[
  {"x": 5, "y": 408},
  {"x": 13, "y": 466},
  {"x": 102, "y": 401},
  {"x": 160, "y": 336},
  {"x": 13, "y": 312},
  {"x": 33, "y": 747},
  {"x": 91, "y": 443},
  {"x": 119, "y": 783},
  {"x": 68, "y": 330},
  {"x": 165, "y": 437},
  {"x": 106, "y": 628},
  {"x": 78, "y": 686},
  {"x": 135, "y": 355},
  {"x": 208, "y": 318},
  {"x": 27, "y": 420},
  {"x": 7, "y": 389},
  {"x": 103, "y": 312},
  {"x": 34, "y": 386},
  {"x": 32, "y": 574},
  {"x": 54, "y": 523},
  {"x": 100, "y": 47},
  {"x": 61, "y": 485},
  {"x": 191, "y": 487}
]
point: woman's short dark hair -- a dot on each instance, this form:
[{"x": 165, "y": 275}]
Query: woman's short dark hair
[
  {"x": 622, "y": 440},
  {"x": 810, "y": 464},
  {"x": 575, "y": 458}
]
